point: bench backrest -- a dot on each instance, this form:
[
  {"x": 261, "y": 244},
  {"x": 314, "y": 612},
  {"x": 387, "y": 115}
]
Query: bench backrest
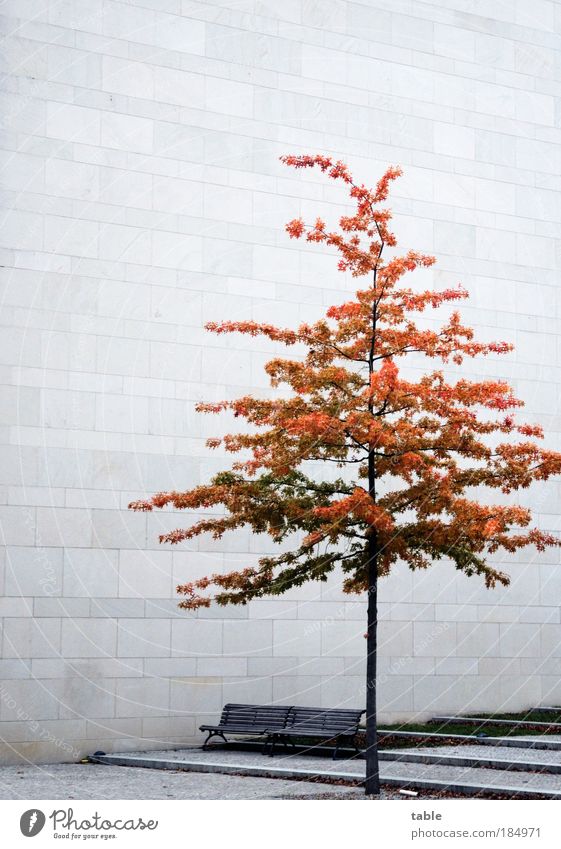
[
  {"x": 336, "y": 721},
  {"x": 255, "y": 716}
]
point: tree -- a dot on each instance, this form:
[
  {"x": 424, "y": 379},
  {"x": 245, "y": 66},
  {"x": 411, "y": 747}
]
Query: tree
[{"x": 407, "y": 455}]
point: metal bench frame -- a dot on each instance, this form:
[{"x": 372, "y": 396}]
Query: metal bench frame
[
  {"x": 281, "y": 723},
  {"x": 338, "y": 724}
]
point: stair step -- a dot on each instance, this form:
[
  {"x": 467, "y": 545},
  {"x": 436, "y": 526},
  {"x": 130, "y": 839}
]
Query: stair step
[
  {"x": 538, "y": 742},
  {"x": 547, "y": 709},
  {"x": 472, "y": 781},
  {"x": 481, "y": 720},
  {"x": 523, "y": 764}
]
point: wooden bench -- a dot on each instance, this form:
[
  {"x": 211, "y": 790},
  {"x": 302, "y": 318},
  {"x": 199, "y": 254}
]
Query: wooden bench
[
  {"x": 247, "y": 719},
  {"x": 319, "y": 723},
  {"x": 282, "y": 724}
]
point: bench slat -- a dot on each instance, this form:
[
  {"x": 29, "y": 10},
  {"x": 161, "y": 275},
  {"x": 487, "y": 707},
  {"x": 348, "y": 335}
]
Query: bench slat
[
  {"x": 255, "y": 716},
  {"x": 233, "y": 729}
]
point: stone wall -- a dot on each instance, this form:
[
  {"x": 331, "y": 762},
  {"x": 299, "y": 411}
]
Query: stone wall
[{"x": 143, "y": 197}]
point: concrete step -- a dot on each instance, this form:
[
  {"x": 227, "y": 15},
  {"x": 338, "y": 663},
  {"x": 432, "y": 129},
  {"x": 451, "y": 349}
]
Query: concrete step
[
  {"x": 547, "y": 709},
  {"x": 552, "y": 743},
  {"x": 516, "y": 759},
  {"x": 468, "y": 780},
  {"x": 482, "y": 720}
]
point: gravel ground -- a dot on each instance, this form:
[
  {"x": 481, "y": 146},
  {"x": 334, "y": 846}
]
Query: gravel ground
[{"x": 96, "y": 781}]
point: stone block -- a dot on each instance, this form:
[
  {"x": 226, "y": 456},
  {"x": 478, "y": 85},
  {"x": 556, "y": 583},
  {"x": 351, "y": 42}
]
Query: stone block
[
  {"x": 89, "y": 572},
  {"x": 143, "y": 638},
  {"x": 249, "y": 638},
  {"x": 33, "y": 571},
  {"x": 89, "y": 638},
  {"x": 343, "y": 639},
  {"x": 142, "y": 697},
  {"x": 199, "y": 638},
  {"x": 295, "y": 638},
  {"x": 30, "y": 638},
  {"x": 145, "y": 574}
]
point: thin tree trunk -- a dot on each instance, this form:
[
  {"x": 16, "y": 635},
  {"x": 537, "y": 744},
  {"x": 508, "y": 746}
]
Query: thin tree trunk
[{"x": 372, "y": 784}]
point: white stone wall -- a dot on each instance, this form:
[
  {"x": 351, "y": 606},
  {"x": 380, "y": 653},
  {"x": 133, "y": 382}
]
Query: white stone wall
[{"x": 144, "y": 197}]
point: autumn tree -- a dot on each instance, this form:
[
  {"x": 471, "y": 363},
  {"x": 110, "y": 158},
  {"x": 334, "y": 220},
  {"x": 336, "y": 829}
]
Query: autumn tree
[{"x": 416, "y": 454}]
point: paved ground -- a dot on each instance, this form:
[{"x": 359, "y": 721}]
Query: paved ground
[{"x": 95, "y": 781}]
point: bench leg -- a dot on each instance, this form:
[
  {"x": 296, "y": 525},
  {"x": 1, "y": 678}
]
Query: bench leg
[
  {"x": 337, "y": 741},
  {"x": 272, "y": 745},
  {"x": 286, "y": 741},
  {"x": 213, "y": 734}
]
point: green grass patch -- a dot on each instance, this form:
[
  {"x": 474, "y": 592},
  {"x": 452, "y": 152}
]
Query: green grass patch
[{"x": 525, "y": 716}]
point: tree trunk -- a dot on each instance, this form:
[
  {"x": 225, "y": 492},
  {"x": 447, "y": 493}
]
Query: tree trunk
[{"x": 372, "y": 784}]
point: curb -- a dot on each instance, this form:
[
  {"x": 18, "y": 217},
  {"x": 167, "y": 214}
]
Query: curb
[
  {"x": 546, "y": 709},
  {"x": 514, "y": 742},
  {"x": 513, "y": 723}
]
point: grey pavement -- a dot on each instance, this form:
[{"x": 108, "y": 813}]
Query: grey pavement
[{"x": 96, "y": 781}]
